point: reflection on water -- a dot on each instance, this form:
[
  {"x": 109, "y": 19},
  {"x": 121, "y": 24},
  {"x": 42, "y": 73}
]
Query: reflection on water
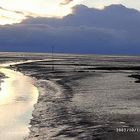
[{"x": 17, "y": 97}]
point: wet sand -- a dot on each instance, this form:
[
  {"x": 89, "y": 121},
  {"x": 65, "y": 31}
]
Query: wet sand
[{"x": 85, "y": 97}]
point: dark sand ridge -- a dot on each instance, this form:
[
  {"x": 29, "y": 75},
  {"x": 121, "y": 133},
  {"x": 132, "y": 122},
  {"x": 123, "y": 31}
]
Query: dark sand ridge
[{"x": 2, "y": 76}]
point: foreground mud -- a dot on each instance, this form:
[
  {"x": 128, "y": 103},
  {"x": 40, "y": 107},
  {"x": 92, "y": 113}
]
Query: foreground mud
[{"x": 85, "y": 98}]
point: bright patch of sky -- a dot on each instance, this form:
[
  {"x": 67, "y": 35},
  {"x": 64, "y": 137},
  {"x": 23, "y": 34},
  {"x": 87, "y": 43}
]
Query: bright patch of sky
[
  {"x": 14, "y": 11},
  {"x": 101, "y": 3}
]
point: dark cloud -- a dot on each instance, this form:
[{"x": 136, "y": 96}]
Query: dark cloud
[
  {"x": 113, "y": 30},
  {"x": 114, "y": 17}
]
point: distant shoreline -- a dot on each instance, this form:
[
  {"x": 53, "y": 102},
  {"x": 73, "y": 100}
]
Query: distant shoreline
[{"x": 68, "y": 53}]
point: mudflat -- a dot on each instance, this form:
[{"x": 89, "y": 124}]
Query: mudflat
[{"x": 83, "y": 97}]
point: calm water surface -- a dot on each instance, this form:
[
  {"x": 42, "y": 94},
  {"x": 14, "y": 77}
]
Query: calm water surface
[{"x": 17, "y": 97}]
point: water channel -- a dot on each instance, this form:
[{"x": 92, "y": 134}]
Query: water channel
[{"x": 17, "y": 98}]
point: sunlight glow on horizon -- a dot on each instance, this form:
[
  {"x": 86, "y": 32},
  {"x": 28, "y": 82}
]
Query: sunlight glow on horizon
[
  {"x": 17, "y": 15},
  {"x": 16, "y": 11}
]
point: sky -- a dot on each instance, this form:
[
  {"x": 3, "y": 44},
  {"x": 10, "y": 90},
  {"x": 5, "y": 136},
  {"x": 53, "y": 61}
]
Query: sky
[
  {"x": 72, "y": 26},
  {"x": 15, "y": 11}
]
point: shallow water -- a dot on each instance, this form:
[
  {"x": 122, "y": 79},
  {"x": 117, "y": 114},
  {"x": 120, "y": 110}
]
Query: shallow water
[{"x": 17, "y": 97}]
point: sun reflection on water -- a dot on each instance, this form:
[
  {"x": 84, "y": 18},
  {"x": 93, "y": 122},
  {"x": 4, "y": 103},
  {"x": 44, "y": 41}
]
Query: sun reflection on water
[{"x": 17, "y": 97}]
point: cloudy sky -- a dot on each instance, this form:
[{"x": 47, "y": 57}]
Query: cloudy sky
[
  {"x": 14, "y": 11},
  {"x": 72, "y": 26}
]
